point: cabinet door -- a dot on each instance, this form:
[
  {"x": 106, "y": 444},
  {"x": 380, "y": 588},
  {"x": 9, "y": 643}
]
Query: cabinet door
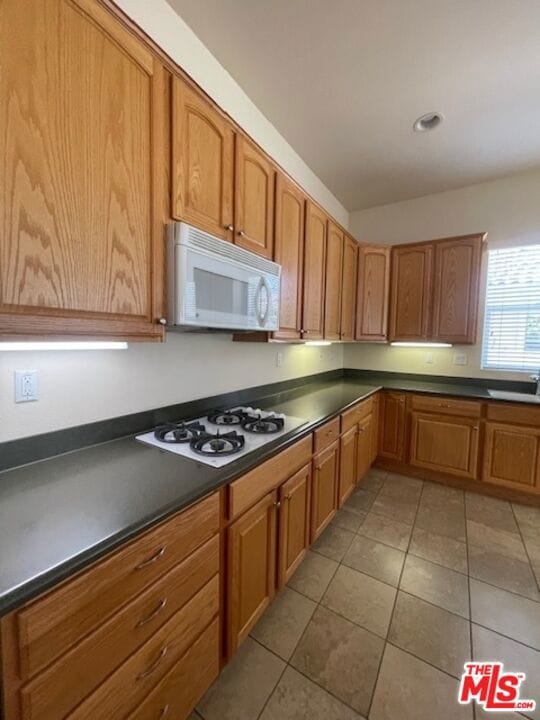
[
  {"x": 445, "y": 443},
  {"x": 289, "y": 253},
  {"x": 314, "y": 273},
  {"x": 375, "y": 428},
  {"x": 251, "y": 578},
  {"x": 373, "y": 293},
  {"x": 456, "y": 289},
  {"x": 364, "y": 447},
  {"x": 295, "y": 502},
  {"x": 410, "y": 302},
  {"x": 203, "y": 161},
  {"x": 348, "y": 288},
  {"x": 82, "y": 105},
  {"x": 512, "y": 456},
  {"x": 334, "y": 266},
  {"x": 325, "y": 490},
  {"x": 347, "y": 464},
  {"x": 392, "y": 426},
  {"x": 254, "y": 199}
]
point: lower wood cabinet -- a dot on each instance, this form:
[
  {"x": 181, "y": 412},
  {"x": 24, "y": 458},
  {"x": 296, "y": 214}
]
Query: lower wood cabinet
[
  {"x": 251, "y": 576},
  {"x": 445, "y": 443},
  {"x": 392, "y": 426},
  {"x": 364, "y": 446},
  {"x": 99, "y": 645},
  {"x": 347, "y": 463},
  {"x": 294, "y": 512},
  {"x": 325, "y": 488},
  {"x": 512, "y": 456},
  {"x": 180, "y": 690}
]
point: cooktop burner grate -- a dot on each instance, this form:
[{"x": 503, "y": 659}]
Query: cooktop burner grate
[
  {"x": 178, "y": 432},
  {"x": 218, "y": 445}
]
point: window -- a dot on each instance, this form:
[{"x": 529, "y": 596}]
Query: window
[{"x": 512, "y": 317}]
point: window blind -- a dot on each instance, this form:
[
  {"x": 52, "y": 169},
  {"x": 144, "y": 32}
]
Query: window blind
[{"x": 512, "y": 315}]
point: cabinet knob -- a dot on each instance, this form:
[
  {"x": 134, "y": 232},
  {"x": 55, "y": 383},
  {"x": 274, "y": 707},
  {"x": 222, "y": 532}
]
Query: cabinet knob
[
  {"x": 277, "y": 504},
  {"x": 241, "y": 233},
  {"x": 229, "y": 227},
  {"x": 162, "y": 321},
  {"x": 164, "y": 712},
  {"x": 287, "y": 497}
]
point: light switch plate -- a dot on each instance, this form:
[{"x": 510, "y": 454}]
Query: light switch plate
[
  {"x": 460, "y": 359},
  {"x": 26, "y": 386}
]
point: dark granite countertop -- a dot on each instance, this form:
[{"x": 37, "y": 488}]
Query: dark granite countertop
[{"x": 60, "y": 514}]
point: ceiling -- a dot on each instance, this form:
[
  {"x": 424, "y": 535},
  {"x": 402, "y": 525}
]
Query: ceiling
[{"x": 344, "y": 80}]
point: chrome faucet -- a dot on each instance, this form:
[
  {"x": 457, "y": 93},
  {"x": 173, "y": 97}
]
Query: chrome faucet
[{"x": 536, "y": 379}]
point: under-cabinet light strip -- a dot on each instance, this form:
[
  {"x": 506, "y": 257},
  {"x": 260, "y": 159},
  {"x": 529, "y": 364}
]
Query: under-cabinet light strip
[{"x": 82, "y": 345}]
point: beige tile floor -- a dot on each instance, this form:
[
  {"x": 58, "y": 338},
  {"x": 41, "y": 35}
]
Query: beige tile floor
[{"x": 409, "y": 581}]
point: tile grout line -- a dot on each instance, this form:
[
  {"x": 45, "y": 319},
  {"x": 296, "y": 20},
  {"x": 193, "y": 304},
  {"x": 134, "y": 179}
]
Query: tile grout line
[
  {"x": 471, "y": 644},
  {"x": 386, "y": 642},
  {"x": 537, "y": 579}
]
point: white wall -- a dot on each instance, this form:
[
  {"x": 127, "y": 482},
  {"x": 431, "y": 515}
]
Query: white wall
[
  {"x": 80, "y": 387},
  {"x": 508, "y": 209},
  {"x": 171, "y": 33}
]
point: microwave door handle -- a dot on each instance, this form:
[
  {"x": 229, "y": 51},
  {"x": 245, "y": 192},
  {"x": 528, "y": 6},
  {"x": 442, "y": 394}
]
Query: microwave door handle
[{"x": 262, "y": 316}]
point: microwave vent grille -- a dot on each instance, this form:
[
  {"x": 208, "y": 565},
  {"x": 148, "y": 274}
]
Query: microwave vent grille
[{"x": 202, "y": 240}]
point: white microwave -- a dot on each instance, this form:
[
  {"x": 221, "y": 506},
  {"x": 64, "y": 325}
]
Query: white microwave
[{"x": 214, "y": 284}]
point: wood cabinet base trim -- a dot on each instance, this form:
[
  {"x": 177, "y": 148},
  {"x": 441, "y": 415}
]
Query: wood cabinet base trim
[{"x": 511, "y": 494}]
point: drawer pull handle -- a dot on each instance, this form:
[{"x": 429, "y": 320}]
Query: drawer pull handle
[
  {"x": 154, "y": 665},
  {"x": 153, "y": 614},
  {"x": 164, "y": 712},
  {"x": 151, "y": 560}
]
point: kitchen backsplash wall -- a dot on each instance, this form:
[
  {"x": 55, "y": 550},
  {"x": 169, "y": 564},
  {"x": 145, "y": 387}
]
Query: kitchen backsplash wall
[
  {"x": 508, "y": 209},
  {"x": 78, "y": 387}
]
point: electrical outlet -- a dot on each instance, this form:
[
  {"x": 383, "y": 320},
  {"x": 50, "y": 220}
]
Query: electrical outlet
[
  {"x": 429, "y": 358},
  {"x": 279, "y": 359},
  {"x": 460, "y": 359},
  {"x": 26, "y": 386}
]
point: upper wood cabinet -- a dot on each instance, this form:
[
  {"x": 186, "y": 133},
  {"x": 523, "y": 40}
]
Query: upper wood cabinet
[
  {"x": 348, "y": 288},
  {"x": 254, "y": 199},
  {"x": 435, "y": 290},
  {"x": 373, "y": 293},
  {"x": 411, "y": 295},
  {"x": 82, "y": 104},
  {"x": 202, "y": 163},
  {"x": 314, "y": 273},
  {"x": 334, "y": 267},
  {"x": 456, "y": 288},
  {"x": 289, "y": 253}
]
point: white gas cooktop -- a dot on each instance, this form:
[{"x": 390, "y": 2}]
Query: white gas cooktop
[{"x": 222, "y": 436}]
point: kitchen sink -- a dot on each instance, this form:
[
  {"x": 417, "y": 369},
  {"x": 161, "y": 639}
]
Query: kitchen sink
[{"x": 516, "y": 396}]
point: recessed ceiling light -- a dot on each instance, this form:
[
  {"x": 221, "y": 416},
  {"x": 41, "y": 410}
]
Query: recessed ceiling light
[{"x": 429, "y": 121}]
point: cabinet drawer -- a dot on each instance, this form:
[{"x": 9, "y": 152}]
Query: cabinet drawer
[
  {"x": 49, "y": 626},
  {"x": 245, "y": 492},
  {"x": 126, "y": 688},
  {"x": 326, "y": 435},
  {"x": 356, "y": 414},
  {"x": 447, "y": 406},
  {"x": 519, "y": 413},
  {"x": 57, "y": 690},
  {"x": 179, "y": 691}
]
